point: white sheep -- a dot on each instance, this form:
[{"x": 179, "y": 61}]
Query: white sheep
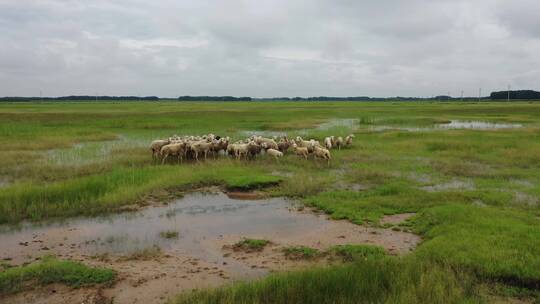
[
  {"x": 300, "y": 151},
  {"x": 238, "y": 150},
  {"x": 176, "y": 149},
  {"x": 156, "y": 146},
  {"x": 305, "y": 143},
  {"x": 349, "y": 139},
  {"x": 201, "y": 147},
  {"x": 270, "y": 143},
  {"x": 322, "y": 153},
  {"x": 275, "y": 153},
  {"x": 328, "y": 143},
  {"x": 339, "y": 142}
]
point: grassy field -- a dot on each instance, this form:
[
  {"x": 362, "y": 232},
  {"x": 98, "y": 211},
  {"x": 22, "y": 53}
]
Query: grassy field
[
  {"x": 52, "y": 270},
  {"x": 476, "y": 192}
]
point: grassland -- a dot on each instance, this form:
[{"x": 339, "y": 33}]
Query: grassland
[
  {"x": 476, "y": 192},
  {"x": 52, "y": 270},
  {"x": 251, "y": 244}
]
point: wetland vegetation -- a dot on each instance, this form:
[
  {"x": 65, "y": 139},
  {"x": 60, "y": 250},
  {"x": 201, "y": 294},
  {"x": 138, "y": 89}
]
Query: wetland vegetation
[{"x": 475, "y": 192}]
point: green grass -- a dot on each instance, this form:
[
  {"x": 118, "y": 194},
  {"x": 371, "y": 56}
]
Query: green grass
[
  {"x": 500, "y": 245},
  {"x": 50, "y": 270},
  {"x": 99, "y": 193},
  {"x": 355, "y": 252},
  {"x": 374, "y": 280},
  {"x": 169, "y": 234},
  {"x": 251, "y": 244},
  {"x": 300, "y": 252},
  {"x": 61, "y": 160}
]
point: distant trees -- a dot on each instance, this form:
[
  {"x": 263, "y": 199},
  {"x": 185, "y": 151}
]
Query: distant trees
[
  {"x": 213, "y": 98},
  {"x": 81, "y": 98},
  {"x": 502, "y": 95},
  {"x": 522, "y": 94}
]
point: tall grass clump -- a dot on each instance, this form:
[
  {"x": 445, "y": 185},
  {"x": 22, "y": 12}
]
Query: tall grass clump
[
  {"x": 374, "y": 280},
  {"x": 107, "y": 191},
  {"x": 52, "y": 270}
]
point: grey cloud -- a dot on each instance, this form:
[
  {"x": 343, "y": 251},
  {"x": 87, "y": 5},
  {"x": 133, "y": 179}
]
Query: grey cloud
[{"x": 267, "y": 48}]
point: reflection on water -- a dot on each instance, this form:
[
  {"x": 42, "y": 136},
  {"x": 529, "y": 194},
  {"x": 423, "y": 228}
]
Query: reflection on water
[
  {"x": 479, "y": 125},
  {"x": 453, "y": 124},
  {"x": 342, "y": 123},
  {"x": 196, "y": 217}
]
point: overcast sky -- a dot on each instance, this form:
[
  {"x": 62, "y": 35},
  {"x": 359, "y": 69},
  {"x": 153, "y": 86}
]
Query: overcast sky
[{"x": 268, "y": 48}]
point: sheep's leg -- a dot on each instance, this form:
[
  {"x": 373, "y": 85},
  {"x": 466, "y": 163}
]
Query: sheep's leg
[{"x": 163, "y": 160}]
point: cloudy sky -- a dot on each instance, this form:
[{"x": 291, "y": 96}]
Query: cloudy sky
[{"x": 267, "y": 48}]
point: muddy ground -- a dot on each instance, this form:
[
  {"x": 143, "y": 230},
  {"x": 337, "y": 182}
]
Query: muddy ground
[{"x": 209, "y": 261}]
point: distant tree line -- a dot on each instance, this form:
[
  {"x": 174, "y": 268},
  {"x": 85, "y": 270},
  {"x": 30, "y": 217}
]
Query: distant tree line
[
  {"x": 81, "y": 98},
  {"x": 502, "y": 95},
  {"x": 522, "y": 94},
  {"x": 365, "y": 98},
  {"x": 213, "y": 98}
]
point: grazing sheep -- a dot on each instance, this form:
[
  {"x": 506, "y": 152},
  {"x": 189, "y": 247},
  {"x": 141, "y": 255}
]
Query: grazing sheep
[
  {"x": 176, "y": 149},
  {"x": 315, "y": 143},
  {"x": 270, "y": 143},
  {"x": 231, "y": 149},
  {"x": 201, "y": 147},
  {"x": 305, "y": 144},
  {"x": 349, "y": 139},
  {"x": 322, "y": 153},
  {"x": 191, "y": 147},
  {"x": 284, "y": 145},
  {"x": 339, "y": 142},
  {"x": 156, "y": 146},
  {"x": 328, "y": 143},
  {"x": 253, "y": 149},
  {"x": 241, "y": 150},
  {"x": 218, "y": 145},
  {"x": 300, "y": 151},
  {"x": 275, "y": 153}
]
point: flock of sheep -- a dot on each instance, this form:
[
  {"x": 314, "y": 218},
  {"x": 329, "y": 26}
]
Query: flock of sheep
[{"x": 192, "y": 147}]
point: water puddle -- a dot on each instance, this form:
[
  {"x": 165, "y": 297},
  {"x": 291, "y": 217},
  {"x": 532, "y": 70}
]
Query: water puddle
[
  {"x": 269, "y": 134},
  {"x": 397, "y": 128},
  {"x": 477, "y": 125},
  {"x": 192, "y": 234},
  {"x": 91, "y": 152},
  {"x": 452, "y": 125},
  {"x": 449, "y": 186},
  {"x": 195, "y": 217},
  {"x": 349, "y": 124}
]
